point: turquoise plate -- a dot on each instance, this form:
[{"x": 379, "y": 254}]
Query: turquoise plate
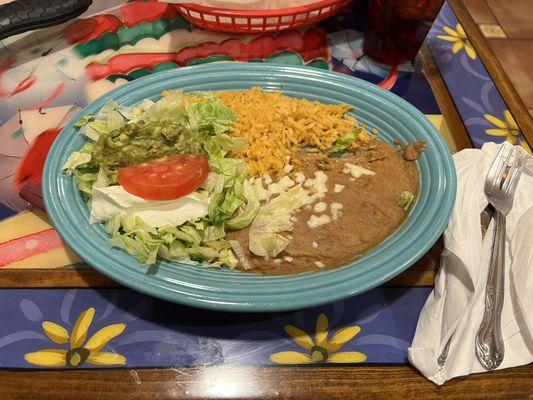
[{"x": 225, "y": 290}]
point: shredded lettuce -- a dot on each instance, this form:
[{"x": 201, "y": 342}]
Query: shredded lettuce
[
  {"x": 79, "y": 158},
  {"x": 108, "y": 119},
  {"x": 214, "y": 183},
  {"x": 132, "y": 113},
  {"x": 141, "y": 245},
  {"x": 88, "y": 174},
  {"x": 101, "y": 179},
  {"x": 223, "y": 205},
  {"x": 221, "y": 144},
  {"x": 194, "y": 241},
  {"x": 213, "y": 233},
  {"x": 233, "y": 203},
  {"x": 186, "y": 233},
  {"x": 231, "y": 200},
  {"x": 211, "y": 116},
  {"x": 240, "y": 254},
  {"x": 227, "y": 258},
  {"x": 229, "y": 168},
  {"x": 248, "y": 212},
  {"x": 136, "y": 112},
  {"x": 169, "y": 108},
  {"x": 346, "y": 141},
  {"x": 406, "y": 200},
  {"x": 86, "y": 181},
  {"x": 82, "y": 121},
  {"x": 272, "y": 219}
]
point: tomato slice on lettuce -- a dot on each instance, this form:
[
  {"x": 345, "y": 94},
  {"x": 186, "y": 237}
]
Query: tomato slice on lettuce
[{"x": 166, "y": 178}]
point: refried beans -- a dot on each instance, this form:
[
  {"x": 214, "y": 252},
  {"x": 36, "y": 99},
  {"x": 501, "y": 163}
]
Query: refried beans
[{"x": 363, "y": 211}]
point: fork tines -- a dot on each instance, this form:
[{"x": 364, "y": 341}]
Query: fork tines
[{"x": 506, "y": 168}]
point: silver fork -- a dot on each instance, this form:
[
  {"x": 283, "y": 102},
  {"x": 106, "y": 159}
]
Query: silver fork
[
  {"x": 486, "y": 216},
  {"x": 500, "y": 186}
]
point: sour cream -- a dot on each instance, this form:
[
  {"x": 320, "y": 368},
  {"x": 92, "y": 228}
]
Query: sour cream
[{"x": 112, "y": 200}]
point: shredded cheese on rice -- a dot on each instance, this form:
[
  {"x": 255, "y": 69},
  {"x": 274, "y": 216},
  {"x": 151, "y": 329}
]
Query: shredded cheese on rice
[{"x": 277, "y": 126}]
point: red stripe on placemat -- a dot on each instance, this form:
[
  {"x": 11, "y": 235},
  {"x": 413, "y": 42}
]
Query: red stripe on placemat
[
  {"x": 310, "y": 46},
  {"x": 137, "y": 12},
  {"x": 83, "y": 30},
  {"x": 46, "y": 102},
  {"x": 390, "y": 80},
  {"x": 28, "y": 246}
]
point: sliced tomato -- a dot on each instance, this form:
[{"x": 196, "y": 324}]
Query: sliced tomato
[{"x": 166, "y": 178}]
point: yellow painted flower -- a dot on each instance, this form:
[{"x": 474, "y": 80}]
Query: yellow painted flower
[
  {"x": 78, "y": 352},
  {"x": 321, "y": 349},
  {"x": 459, "y": 39},
  {"x": 506, "y": 127}
]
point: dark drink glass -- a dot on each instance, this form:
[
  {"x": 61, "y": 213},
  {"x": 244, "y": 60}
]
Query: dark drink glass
[{"x": 395, "y": 29}]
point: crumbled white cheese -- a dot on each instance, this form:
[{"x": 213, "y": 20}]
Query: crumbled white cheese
[
  {"x": 315, "y": 221},
  {"x": 289, "y": 237},
  {"x": 315, "y": 245},
  {"x": 320, "y": 207},
  {"x": 288, "y": 259},
  {"x": 299, "y": 177},
  {"x": 286, "y": 182},
  {"x": 308, "y": 199},
  {"x": 317, "y": 185},
  {"x": 335, "y": 210},
  {"x": 319, "y": 264},
  {"x": 281, "y": 186},
  {"x": 267, "y": 179},
  {"x": 277, "y": 261},
  {"x": 320, "y": 177},
  {"x": 275, "y": 188},
  {"x": 356, "y": 171},
  {"x": 287, "y": 168},
  {"x": 293, "y": 219},
  {"x": 338, "y": 188}
]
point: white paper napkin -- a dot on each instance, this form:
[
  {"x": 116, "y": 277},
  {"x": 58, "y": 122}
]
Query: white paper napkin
[{"x": 455, "y": 307}]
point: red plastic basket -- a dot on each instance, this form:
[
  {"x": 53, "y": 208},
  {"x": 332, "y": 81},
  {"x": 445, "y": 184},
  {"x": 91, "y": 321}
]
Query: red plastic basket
[{"x": 257, "y": 21}]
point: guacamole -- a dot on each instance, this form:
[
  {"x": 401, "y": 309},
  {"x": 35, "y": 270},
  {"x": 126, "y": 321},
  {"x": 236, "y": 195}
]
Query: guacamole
[{"x": 142, "y": 141}]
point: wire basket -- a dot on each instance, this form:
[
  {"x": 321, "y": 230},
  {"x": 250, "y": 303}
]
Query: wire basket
[{"x": 259, "y": 21}]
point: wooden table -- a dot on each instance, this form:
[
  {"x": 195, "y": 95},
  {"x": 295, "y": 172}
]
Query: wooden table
[
  {"x": 352, "y": 382},
  {"x": 502, "y": 34}
]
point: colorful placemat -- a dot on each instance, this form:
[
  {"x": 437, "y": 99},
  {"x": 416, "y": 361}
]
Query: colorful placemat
[{"x": 46, "y": 76}]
